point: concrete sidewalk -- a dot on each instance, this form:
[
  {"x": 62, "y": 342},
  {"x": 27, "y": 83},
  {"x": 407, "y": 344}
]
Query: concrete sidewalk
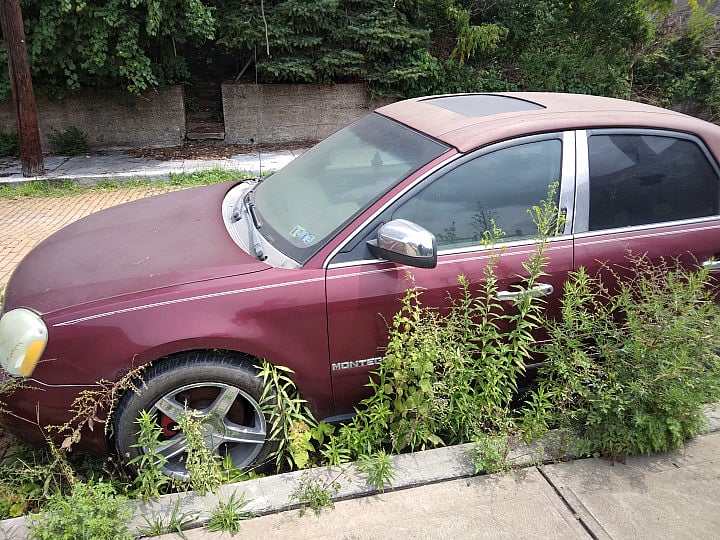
[
  {"x": 435, "y": 495},
  {"x": 670, "y": 495},
  {"x": 93, "y": 168}
]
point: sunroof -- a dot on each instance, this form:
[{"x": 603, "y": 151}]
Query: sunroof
[{"x": 482, "y": 104}]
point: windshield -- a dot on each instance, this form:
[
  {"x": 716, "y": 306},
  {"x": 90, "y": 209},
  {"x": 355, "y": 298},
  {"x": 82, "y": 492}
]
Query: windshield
[{"x": 303, "y": 204}]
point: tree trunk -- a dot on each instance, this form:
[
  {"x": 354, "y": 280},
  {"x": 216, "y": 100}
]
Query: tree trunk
[{"x": 22, "y": 90}]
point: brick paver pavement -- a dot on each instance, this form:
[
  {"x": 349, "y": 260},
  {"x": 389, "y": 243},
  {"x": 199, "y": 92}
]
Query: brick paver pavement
[{"x": 24, "y": 222}]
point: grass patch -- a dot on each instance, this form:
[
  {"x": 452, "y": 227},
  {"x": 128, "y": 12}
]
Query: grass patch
[{"x": 63, "y": 188}]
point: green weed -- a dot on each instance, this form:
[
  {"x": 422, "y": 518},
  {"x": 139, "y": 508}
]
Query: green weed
[
  {"x": 174, "y": 522},
  {"x": 90, "y": 510},
  {"x": 379, "y": 469},
  {"x": 149, "y": 481},
  {"x": 490, "y": 453},
  {"x": 204, "y": 467},
  {"x": 30, "y": 476},
  {"x": 226, "y": 516},
  {"x": 293, "y": 427},
  {"x": 315, "y": 493},
  {"x": 630, "y": 367}
]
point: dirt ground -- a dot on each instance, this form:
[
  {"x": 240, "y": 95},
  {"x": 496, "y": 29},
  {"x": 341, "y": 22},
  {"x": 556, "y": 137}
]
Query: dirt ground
[{"x": 219, "y": 150}]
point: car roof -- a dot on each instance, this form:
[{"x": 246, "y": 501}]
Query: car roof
[{"x": 470, "y": 121}]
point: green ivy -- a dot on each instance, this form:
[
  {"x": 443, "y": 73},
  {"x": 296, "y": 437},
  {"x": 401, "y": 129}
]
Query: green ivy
[
  {"x": 401, "y": 48},
  {"x": 110, "y": 45}
]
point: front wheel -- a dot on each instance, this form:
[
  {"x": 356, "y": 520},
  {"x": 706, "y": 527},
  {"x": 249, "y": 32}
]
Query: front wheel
[{"x": 222, "y": 392}]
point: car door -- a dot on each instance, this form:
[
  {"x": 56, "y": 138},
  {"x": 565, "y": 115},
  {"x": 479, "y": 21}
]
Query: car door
[
  {"x": 645, "y": 193},
  {"x": 458, "y": 204}
]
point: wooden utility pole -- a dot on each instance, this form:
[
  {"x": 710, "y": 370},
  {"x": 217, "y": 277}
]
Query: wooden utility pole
[{"x": 22, "y": 90}]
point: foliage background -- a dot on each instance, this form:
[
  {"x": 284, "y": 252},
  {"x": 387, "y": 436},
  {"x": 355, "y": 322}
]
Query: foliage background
[{"x": 640, "y": 49}]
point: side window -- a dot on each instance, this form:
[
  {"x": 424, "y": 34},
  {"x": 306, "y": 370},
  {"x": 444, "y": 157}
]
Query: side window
[
  {"x": 643, "y": 179},
  {"x": 496, "y": 189}
]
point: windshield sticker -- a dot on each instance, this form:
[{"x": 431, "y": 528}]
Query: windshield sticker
[{"x": 301, "y": 234}]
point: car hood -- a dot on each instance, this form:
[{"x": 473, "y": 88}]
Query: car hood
[{"x": 162, "y": 241}]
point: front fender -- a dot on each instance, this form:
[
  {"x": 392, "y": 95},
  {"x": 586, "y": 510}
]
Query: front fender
[{"x": 282, "y": 319}]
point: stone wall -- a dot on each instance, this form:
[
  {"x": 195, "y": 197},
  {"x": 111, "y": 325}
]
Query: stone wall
[
  {"x": 271, "y": 113},
  {"x": 155, "y": 119}
]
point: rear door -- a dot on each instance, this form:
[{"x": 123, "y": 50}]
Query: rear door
[
  {"x": 459, "y": 203},
  {"x": 645, "y": 193}
]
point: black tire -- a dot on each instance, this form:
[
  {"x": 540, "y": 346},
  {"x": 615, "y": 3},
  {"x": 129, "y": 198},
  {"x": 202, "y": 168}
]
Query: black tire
[{"x": 222, "y": 387}]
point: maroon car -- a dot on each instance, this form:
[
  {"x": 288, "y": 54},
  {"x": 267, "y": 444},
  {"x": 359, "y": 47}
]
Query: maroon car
[{"x": 306, "y": 268}]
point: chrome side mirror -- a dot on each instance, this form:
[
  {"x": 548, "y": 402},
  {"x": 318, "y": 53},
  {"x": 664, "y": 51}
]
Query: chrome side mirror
[{"x": 405, "y": 242}]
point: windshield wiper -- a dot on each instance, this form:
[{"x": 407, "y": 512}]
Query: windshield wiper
[
  {"x": 245, "y": 207},
  {"x": 250, "y": 208},
  {"x": 253, "y": 227},
  {"x": 237, "y": 213}
]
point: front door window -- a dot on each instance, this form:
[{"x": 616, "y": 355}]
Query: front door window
[{"x": 492, "y": 192}]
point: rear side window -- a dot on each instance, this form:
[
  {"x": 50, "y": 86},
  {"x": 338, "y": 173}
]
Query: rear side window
[{"x": 643, "y": 179}]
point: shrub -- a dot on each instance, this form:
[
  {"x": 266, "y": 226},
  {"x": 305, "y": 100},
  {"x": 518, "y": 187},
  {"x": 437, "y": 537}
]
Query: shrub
[
  {"x": 9, "y": 144},
  {"x": 628, "y": 371},
  {"x": 91, "y": 510},
  {"x": 69, "y": 142},
  {"x": 448, "y": 378}
]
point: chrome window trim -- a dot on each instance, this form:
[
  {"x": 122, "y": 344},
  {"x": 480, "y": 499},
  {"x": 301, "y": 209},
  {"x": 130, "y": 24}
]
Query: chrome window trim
[
  {"x": 567, "y": 188},
  {"x": 567, "y": 195},
  {"x": 473, "y": 253},
  {"x": 347, "y": 264},
  {"x": 582, "y": 211},
  {"x": 651, "y": 227},
  {"x": 581, "y": 219}
]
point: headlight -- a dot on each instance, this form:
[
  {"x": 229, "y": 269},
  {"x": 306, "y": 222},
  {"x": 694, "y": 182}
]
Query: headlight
[{"x": 23, "y": 336}]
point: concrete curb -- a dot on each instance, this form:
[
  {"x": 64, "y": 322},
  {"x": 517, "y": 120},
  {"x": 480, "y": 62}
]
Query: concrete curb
[{"x": 272, "y": 494}]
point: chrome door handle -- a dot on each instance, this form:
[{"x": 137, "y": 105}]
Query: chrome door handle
[
  {"x": 711, "y": 264},
  {"x": 542, "y": 289}
]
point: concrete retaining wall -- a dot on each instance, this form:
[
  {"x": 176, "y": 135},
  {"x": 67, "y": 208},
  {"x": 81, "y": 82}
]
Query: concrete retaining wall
[
  {"x": 265, "y": 113},
  {"x": 155, "y": 119},
  {"x": 270, "y": 113}
]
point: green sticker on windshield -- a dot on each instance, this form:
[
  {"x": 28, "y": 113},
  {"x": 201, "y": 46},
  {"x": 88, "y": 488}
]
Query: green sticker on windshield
[{"x": 301, "y": 234}]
